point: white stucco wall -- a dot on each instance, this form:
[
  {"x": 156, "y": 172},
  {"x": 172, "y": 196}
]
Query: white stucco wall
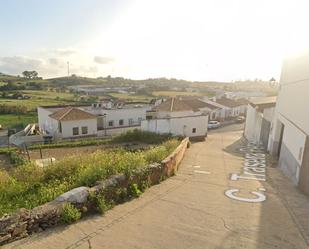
[
  {"x": 178, "y": 126},
  {"x": 121, "y": 114},
  {"x": 293, "y": 99},
  {"x": 291, "y": 111},
  {"x": 269, "y": 113},
  {"x": 253, "y": 124},
  {"x": 47, "y": 124},
  {"x": 67, "y": 127},
  {"x": 116, "y": 131},
  {"x": 163, "y": 114}
]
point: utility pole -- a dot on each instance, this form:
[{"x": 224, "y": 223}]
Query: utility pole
[{"x": 68, "y": 68}]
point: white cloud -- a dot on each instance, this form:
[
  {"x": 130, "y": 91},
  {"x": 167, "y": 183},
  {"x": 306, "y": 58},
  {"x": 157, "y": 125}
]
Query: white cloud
[
  {"x": 103, "y": 60},
  {"x": 64, "y": 51},
  {"x": 18, "y": 64},
  {"x": 53, "y": 61}
]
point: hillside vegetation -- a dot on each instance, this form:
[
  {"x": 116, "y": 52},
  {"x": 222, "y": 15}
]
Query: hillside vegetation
[{"x": 29, "y": 92}]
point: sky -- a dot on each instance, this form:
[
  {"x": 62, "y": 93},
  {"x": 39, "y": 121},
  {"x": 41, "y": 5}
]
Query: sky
[{"x": 202, "y": 40}]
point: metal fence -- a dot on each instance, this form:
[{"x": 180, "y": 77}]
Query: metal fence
[{"x": 3, "y": 140}]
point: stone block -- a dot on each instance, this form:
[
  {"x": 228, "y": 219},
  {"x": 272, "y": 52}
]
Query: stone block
[{"x": 76, "y": 195}]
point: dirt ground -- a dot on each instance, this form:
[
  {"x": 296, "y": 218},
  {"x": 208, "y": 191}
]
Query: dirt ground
[
  {"x": 5, "y": 162},
  {"x": 59, "y": 153}
]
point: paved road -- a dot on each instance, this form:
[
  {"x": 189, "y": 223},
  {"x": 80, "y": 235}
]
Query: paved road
[{"x": 191, "y": 209}]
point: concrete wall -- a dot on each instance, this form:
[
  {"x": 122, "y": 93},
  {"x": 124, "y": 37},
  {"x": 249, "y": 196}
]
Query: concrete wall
[{"x": 178, "y": 126}]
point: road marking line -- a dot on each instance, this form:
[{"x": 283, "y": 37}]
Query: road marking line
[{"x": 201, "y": 172}]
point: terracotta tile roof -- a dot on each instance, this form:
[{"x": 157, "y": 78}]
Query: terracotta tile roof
[
  {"x": 196, "y": 104},
  {"x": 212, "y": 107},
  {"x": 228, "y": 102},
  {"x": 71, "y": 113},
  {"x": 173, "y": 105},
  {"x": 243, "y": 101}
]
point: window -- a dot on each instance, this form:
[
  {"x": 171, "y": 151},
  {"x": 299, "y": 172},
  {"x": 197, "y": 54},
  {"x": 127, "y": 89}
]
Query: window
[
  {"x": 84, "y": 130},
  {"x": 111, "y": 123},
  {"x": 130, "y": 121},
  {"x": 75, "y": 131},
  {"x": 194, "y": 130},
  {"x": 121, "y": 122}
]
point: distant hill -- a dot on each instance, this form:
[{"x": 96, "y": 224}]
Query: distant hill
[
  {"x": 6, "y": 77},
  {"x": 151, "y": 84}
]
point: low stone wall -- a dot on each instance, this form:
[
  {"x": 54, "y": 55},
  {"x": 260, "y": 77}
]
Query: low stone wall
[{"x": 25, "y": 222}]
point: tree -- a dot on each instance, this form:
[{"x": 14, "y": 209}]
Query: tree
[{"x": 30, "y": 74}]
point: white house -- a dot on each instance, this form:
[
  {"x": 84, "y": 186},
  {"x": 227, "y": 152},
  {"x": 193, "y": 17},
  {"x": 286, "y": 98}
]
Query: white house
[
  {"x": 99, "y": 119},
  {"x": 67, "y": 122},
  {"x": 228, "y": 108},
  {"x": 118, "y": 118},
  {"x": 289, "y": 139},
  {"x": 260, "y": 113},
  {"x": 178, "y": 117}
]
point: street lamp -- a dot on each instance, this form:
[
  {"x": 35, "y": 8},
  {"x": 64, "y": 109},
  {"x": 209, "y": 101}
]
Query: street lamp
[{"x": 272, "y": 82}]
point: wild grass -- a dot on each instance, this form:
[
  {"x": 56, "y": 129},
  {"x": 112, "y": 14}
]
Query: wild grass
[{"x": 28, "y": 186}]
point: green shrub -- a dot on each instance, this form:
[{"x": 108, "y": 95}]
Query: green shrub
[
  {"x": 141, "y": 136},
  {"x": 70, "y": 214},
  {"x": 4, "y": 177},
  {"x": 99, "y": 202},
  {"x": 134, "y": 190},
  {"x": 16, "y": 158},
  {"x": 102, "y": 205}
]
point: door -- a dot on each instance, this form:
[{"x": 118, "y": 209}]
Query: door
[
  {"x": 265, "y": 130},
  {"x": 280, "y": 140}
]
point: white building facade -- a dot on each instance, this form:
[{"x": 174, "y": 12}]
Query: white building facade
[
  {"x": 290, "y": 130},
  {"x": 260, "y": 113},
  {"x": 100, "y": 119},
  {"x": 177, "y": 117},
  {"x": 227, "y": 108}
]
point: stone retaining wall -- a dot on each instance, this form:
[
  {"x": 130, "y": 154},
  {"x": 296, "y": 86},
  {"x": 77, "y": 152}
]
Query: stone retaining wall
[{"x": 25, "y": 222}]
